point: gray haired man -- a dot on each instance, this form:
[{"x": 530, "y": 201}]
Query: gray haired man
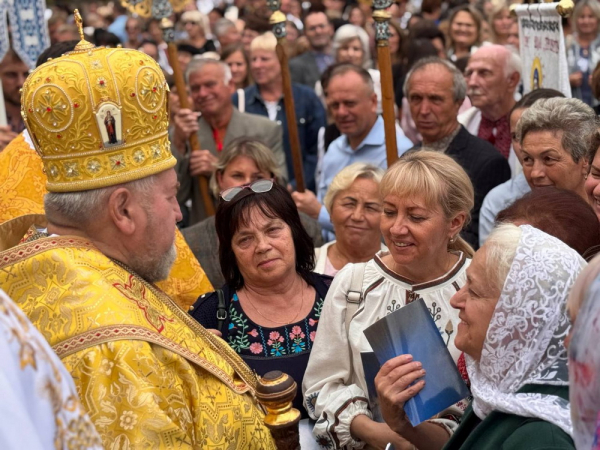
[
  {"x": 435, "y": 89},
  {"x": 217, "y": 123}
]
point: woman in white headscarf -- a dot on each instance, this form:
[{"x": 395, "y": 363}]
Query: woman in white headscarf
[
  {"x": 512, "y": 331},
  {"x": 584, "y": 357}
]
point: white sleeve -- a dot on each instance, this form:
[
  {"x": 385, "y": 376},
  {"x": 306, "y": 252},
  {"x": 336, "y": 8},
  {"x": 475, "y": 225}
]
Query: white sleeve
[
  {"x": 486, "y": 218},
  {"x": 330, "y": 397}
]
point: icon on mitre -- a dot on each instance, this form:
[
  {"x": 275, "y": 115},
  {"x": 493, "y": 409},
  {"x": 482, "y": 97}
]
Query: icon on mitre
[{"x": 110, "y": 124}]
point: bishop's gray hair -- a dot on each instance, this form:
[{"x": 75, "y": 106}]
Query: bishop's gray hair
[{"x": 84, "y": 207}]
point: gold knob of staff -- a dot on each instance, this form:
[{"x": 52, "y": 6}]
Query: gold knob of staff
[
  {"x": 565, "y": 7},
  {"x": 276, "y": 391}
]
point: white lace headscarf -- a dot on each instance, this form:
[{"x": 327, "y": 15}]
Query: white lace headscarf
[
  {"x": 525, "y": 338},
  {"x": 584, "y": 369}
]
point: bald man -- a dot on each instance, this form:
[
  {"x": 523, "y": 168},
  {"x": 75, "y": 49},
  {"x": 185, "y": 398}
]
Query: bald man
[{"x": 492, "y": 75}]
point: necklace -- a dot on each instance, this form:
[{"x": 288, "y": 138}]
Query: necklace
[{"x": 274, "y": 321}]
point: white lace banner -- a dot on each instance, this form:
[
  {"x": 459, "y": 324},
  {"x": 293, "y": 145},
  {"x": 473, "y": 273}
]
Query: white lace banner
[
  {"x": 29, "y": 31},
  {"x": 542, "y": 48}
]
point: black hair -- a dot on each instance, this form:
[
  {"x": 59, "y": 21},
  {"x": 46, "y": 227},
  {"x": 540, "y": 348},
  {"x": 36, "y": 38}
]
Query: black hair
[
  {"x": 104, "y": 37},
  {"x": 274, "y": 204},
  {"x": 530, "y": 98},
  {"x": 56, "y": 51},
  {"x": 427, "y": 29}
]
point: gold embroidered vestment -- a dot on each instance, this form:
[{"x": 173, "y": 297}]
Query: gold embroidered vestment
[{"x": 148, "y": 375}]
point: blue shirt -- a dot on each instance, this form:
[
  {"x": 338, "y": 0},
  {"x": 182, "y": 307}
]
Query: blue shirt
[
  {"x": 498, "y": 199},
  {"x": 310, "y": 117},
  {"x": 339, "y": 155},
  {"x": 118, "y": 28},
  {"x": 323, "y": 61}
]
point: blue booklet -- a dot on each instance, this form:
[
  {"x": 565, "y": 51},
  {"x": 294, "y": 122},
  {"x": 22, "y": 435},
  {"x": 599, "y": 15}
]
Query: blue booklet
[{"x": 411, "y": 330}]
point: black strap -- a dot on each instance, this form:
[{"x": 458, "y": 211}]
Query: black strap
[{"x": 221, "y": 309}]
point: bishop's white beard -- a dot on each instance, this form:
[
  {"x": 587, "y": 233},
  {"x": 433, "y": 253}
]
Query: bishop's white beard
[{"x": 152, "y": 266}]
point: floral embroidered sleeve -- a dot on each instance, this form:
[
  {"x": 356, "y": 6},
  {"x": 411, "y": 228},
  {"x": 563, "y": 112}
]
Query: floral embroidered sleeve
[{"x": 330, "y": 396}]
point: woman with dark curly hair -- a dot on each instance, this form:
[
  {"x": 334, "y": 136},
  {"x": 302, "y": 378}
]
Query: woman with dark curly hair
[{"x": 270, "y": 306}]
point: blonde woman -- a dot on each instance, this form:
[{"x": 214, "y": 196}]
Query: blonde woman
[
  {"x": 196, "y": 24},
  {"x": 501, "y": 23},
  {"x": 427, "y": 197},
  {"x": 583, "y": 55},
  {"x": 354, "y": 206}
]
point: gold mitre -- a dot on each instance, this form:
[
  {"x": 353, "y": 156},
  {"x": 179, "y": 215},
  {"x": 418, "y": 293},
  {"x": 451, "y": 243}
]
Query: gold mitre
[{"x": 98, "y": 117}]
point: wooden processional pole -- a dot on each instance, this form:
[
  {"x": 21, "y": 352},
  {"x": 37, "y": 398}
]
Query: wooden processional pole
[
  {"x": 169, "y": 37},
  {"x": 382, "y": 37},
  {"x": 278, "y": 20}
]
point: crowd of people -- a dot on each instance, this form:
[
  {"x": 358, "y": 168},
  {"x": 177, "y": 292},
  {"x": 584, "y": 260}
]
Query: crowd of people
[{"x": 131, "y": 317}]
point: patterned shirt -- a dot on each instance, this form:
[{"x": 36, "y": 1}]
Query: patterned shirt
[{"x": 286, "y": 348}]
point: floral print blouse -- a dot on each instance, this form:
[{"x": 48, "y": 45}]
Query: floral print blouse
[{"x": 284, "y": 348}]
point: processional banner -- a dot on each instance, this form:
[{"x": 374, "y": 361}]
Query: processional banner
[
  {"x": 542, "y": 48},
  {"x": 28, "y": 29}
]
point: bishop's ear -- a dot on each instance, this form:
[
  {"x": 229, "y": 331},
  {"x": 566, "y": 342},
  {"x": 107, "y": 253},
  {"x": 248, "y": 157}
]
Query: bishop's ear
[{"x": 125, "y": 211}]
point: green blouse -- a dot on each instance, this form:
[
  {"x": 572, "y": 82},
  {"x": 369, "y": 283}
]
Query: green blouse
[{"x": 500, "y": 431}]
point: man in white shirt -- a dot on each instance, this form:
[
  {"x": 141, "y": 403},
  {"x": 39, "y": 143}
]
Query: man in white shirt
[{"x": 492, "y": 75}]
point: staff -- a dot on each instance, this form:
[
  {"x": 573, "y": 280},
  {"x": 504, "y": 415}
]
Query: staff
[
  {"x": 278, "y": 20},
  {"x": 169, "y": 37},
  {"x": 382, "y": 36},
  {"x": 161, "y": 10}
]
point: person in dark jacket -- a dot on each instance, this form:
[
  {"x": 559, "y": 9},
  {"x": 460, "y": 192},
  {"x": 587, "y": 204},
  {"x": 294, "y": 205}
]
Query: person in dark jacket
[
  {"x": 435, "y": 90},
  {"x": 266, "y": 99},
  {"x": 269, "y": 309}
]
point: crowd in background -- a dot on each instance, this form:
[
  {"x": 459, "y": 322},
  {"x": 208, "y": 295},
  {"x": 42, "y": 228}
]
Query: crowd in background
[{"x": 489, "y": 216}]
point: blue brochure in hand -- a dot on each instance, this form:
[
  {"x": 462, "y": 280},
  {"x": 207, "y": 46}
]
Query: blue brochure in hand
[{"x": 411, "y": 330}]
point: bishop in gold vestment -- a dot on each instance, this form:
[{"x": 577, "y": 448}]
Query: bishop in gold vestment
[
  {"x": 22, "y": 190},
  {"x": 148, "y": 375}
]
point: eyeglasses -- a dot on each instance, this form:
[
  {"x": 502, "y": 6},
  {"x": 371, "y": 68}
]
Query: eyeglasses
[{"x": 258, "y": 187}]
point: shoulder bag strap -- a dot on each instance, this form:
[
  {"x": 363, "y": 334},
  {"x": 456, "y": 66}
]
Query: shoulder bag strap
[
  {"x": 221, "y": 309},
  {"x": 354, "y": 295}
]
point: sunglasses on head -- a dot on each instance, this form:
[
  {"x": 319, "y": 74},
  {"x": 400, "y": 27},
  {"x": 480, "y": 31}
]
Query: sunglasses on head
[{"x": 258, "y": 187}]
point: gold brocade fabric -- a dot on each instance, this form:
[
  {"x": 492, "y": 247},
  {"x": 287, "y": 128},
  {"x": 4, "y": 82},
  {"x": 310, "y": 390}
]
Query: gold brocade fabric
[
  {"x": 98, "y": 117},
  {"x": 22, "y": 190},
  {"x": 22, "y": 180},
  {"x": 148, "y": 375}
]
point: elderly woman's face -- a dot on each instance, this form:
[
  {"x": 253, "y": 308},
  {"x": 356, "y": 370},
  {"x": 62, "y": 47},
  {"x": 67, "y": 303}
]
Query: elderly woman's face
[
  {"x": 546, "y": 163},
  {"x": 264, "y": 249},
  {"x": 415, "y": 232},
  {"x": 241, "y": 170},
  {"x": 356, "y": 214},
  {"x": 476, "y": 302},
  {"x": 592, "y": 184},
  {"x": 264, "y": 66},
  {"x": 351, "y": 52}
]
